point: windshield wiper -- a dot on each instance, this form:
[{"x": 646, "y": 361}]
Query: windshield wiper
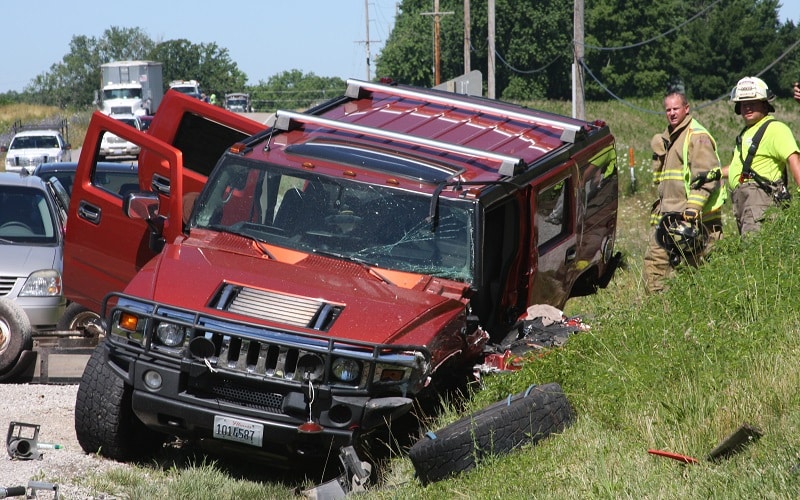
[
  {"x": 238, "y": 231},
  {"x": 355, "y": 260}
]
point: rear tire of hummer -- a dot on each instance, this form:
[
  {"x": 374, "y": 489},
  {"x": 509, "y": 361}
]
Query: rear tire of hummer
[
  {"x": 104, "y": 418},
  {"x": 15, "y": 334},
  {"x": 527, "y": 417}
]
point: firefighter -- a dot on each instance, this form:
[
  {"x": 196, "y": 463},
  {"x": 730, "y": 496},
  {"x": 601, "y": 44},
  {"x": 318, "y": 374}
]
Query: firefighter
[
  {"x": 758, "y": 174},
  {"x": 688, "y": 184}
]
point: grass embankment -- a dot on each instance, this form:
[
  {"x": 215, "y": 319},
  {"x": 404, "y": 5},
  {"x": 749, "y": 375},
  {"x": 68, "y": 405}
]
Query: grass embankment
[{"x": 677, "y": 371}]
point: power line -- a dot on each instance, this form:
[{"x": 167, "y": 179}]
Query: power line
[
  {"x": 701, "y": 106},
  {"x": 661, "y": 35}
]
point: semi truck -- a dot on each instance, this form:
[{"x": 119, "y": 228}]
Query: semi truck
[
  {"x": 293, "y": 290},
  {"x": 131, "y": 87},
  {"x": 238, "y": 102}
]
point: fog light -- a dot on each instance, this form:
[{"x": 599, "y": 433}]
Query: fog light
[
  {"x": 346, "y": 370},
  {"x": 152, "y": 379},
  {"x": 310, "y": 367}
]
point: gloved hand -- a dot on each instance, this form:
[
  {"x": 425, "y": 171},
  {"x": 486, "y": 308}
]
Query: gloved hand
[{"x": 691, "y": 214}]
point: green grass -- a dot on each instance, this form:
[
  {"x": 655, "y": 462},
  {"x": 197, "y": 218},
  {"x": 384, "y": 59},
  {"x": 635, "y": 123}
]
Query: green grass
[{"x": 678, "y": 371}]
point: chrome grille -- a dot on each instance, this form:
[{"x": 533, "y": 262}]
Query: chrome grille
[
  {"x": 6, "y": 284},
  {"x": 30, "y": 161},
  {"x": 256, "y": 358}
]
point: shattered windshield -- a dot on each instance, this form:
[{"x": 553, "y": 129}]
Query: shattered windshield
[{"x": 372, "y": 224}]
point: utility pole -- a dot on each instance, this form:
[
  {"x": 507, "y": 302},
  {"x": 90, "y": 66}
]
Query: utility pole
[
  {"x": 466, "y": 37},
  {"x": 578, "y": 93},
  {"x": 367, "y": 41},
  {"x": 366, "y": 16},
  {"x": 437, "y": 65},
  {"x": 490, "y": 57}
]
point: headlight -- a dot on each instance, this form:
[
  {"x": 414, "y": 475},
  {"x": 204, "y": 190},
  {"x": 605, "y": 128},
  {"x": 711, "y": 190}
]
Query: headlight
[
  {"x": 170, "y": 334},
  {"x": 44, "y": 283},
  {"x": 345, "y": 369}
]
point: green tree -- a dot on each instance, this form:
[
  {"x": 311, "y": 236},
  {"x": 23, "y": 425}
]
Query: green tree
[
  {"x": 74, "y": 81},
  {"x": 737, "y": 38},
  {"x": 532, "y": 42},
  {"x": 294, "y": 90},
  {"x": 207, "y": 63},
  {"x": 632, "y": 49}
]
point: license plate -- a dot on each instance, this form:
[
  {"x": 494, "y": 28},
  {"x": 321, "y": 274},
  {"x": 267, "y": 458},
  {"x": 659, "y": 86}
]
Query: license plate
[{"x": 241, "y": 431}]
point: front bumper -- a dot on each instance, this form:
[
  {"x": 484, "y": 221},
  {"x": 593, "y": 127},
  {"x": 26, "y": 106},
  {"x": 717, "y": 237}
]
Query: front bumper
[
  {"x": 42, "y": 312},
  {"x": 191, "y": 396}
]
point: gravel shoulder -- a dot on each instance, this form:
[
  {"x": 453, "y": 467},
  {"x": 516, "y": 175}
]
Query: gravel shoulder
[{"x": 52, "y": 408}]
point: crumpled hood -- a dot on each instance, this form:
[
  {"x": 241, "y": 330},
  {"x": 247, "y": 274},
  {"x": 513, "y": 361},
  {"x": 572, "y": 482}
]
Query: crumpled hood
[
  {"x": 22, "y": 260},
  {"x": 191, "y": 274}
]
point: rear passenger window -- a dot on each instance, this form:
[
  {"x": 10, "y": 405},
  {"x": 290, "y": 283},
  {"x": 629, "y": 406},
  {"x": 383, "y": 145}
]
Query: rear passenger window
[{"x": 553, "y": 211}]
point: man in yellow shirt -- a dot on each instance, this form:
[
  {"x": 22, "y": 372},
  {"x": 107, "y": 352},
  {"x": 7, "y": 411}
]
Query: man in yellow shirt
[{"x": 765, "y": 152}]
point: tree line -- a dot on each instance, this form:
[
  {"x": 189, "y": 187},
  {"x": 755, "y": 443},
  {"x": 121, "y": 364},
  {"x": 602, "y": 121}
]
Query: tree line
[{"x": 631, "y": 49}]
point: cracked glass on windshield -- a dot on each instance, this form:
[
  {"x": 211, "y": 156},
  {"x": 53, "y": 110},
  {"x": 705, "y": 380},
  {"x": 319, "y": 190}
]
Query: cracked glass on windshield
[{"x": 373, "y": 224}]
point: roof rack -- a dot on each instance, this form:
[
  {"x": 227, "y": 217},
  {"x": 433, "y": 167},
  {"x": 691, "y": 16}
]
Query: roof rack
[
  {"x": 356, "y": 89},
  {"x": 289, "y": 120}
]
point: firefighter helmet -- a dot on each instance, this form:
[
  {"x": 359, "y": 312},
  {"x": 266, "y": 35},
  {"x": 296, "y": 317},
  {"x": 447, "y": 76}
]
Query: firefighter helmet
[
  {"x": 680, "y": 238},
  {"x": 752, "y": 88}
]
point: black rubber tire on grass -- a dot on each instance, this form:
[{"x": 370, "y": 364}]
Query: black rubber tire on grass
[
  {"x": 15, "y": 334},
  {"x": 527, "y": 417},
  {"x": 104, "y": 418}
]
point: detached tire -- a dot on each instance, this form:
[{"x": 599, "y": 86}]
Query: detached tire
[
  {"x": 104, "y": 418},
  {"x": 15, "y": 334},
  {"x": 77, "y": 317},
  {"x": 527, "y": 417}
]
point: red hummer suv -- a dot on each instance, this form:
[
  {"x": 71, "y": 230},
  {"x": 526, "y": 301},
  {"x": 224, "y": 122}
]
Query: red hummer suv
[{"x": 289, "y": 288}]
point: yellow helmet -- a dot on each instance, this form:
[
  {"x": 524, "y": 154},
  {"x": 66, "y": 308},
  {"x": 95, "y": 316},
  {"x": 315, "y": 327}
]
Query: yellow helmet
[{"x": 752, "y": 88}]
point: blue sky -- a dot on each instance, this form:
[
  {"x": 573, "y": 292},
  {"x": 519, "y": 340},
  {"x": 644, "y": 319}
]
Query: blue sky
[{"x": 263, "y": 37}]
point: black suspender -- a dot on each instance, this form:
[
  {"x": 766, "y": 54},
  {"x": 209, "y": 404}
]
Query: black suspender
[{"x": 747, "y": 171}]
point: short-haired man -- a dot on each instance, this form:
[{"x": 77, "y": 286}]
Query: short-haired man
[
  {"x": 758, "y": 173},
  {"x": 688, "y": 184}
]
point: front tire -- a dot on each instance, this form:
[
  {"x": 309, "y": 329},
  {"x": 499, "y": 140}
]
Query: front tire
[
  {"x": 15, "y": 334},
  {"x": 499, "y": 428},
  {"x": 77, "y": 317},
  {"x": 104, "y": 418}
]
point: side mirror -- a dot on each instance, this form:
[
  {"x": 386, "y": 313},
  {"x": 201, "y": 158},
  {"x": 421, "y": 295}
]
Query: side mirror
[
  {"x": 141, "y": 206},
  {"x": 144, "y": 206}
]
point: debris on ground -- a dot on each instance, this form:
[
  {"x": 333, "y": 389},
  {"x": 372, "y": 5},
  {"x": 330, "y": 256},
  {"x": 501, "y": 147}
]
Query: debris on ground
[{"x": 542, "y": 326}]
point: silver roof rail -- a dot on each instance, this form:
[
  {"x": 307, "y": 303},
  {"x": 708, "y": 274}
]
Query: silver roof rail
[
  {"x": 569, "y": 130},
  {"x": 288, "y": 120}
]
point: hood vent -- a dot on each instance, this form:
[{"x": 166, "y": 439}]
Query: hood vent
[{"x": 280, "y": 308}]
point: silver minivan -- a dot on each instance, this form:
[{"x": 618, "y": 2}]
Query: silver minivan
[{"x": 31, "y": 260}]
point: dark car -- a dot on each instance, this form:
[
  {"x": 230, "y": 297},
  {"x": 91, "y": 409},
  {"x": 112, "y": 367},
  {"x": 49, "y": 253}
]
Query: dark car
[
  {"x": 146, "y": 120},
  {"x": 119, "y": 178}
]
